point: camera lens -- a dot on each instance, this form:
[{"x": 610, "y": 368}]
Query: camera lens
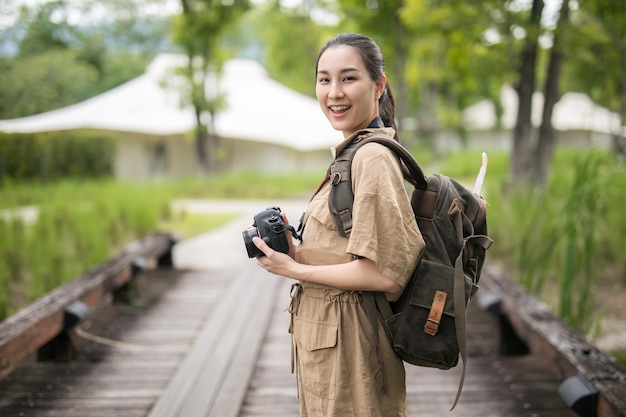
[{"x": 251, "y": 248}]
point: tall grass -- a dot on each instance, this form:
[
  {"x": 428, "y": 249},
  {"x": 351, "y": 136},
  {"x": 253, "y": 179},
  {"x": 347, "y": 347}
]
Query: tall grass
[
  {"x": 564, "y": 239},
  {"x": 82, "y": 223},
  {"x": 78, "y": 225}
]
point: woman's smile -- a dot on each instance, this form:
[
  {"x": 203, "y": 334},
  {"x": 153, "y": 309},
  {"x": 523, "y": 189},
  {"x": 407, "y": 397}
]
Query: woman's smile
[{"x": 339, "y": 111}]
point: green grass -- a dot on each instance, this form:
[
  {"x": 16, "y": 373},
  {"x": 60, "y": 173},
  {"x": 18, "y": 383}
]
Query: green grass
[
  {"x": 620, "y": 356},
  {"x": 82, "y": 223},
  {"x": 562, "y": 241}
]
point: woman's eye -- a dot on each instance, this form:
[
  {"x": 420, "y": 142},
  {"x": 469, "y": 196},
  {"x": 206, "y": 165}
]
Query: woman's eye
[
  {"x": 349, "y": 78},
  {"x": 322, "y": 80}
]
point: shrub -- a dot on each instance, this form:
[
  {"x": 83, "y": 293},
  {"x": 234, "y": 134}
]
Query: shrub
[{"x": 52, "y": 156}]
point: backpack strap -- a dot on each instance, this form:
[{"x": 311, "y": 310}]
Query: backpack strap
[
  {"x": 456, "y": 215},
  {"x": 462, "y": 222},
  {"x": 341, "y": 199}
]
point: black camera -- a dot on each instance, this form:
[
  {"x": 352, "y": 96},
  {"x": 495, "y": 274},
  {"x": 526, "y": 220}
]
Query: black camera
[{"x": 269, "y": 226}]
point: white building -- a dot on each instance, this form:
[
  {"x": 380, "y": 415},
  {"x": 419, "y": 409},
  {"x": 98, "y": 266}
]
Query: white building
[
  {"x": 578, "y": 121},
  {"x": 265, "y": 125}
]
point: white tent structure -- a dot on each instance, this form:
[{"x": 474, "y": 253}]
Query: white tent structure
[
  {"x": 265, "y": 125},
  {"x": 577, "y": 120}
]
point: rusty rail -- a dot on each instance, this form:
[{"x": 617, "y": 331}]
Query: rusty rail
[{"x": 594, "y": 384}]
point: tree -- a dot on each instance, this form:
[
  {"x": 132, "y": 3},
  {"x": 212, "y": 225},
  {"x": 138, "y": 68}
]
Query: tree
[
  {"x": 381, "y": 20},
  {"x": 42, "y": 82},
  {"x": 539, "y": 164},
  {"x": 525, "y": 90},
  {"x": 50, "y": 61},
  {"x": 197, "y": 30},
  {"x": 598, "y": 49},
  {"x": 450, "y": 55},
  {"x": 291, "y": 40},
  {"x": 45, "y": 33},
  {"x": 46, "y": 73}
]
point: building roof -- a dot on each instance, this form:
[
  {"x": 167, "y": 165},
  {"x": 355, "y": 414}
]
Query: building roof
[
  {"x": 574, "y": 111},
  {"x": 258, "y": 108}
]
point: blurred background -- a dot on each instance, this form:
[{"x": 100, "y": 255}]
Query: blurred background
[{"x": 116, "y": 111}]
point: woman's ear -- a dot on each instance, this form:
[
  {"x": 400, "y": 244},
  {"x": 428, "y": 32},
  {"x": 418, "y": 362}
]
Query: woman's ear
[{"x": 381, "y": 83}]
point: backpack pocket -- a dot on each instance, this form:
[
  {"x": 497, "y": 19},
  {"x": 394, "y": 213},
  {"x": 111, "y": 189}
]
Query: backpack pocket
[{"x": 410, "y": 341}]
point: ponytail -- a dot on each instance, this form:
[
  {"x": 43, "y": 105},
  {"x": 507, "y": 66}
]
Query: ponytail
[{"x": 387, "y": 109}]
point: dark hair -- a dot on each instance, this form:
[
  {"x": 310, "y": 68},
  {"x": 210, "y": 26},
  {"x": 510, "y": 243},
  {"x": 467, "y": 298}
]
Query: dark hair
[{"x": 375, "y": 63}]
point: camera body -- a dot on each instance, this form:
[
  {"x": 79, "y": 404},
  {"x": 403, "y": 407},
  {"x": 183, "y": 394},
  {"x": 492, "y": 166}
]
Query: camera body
[{"x": 269, "y": 226}]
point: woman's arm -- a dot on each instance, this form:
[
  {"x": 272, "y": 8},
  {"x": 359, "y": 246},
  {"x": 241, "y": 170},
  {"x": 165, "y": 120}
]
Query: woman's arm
[{"x": 360, "y": 275}]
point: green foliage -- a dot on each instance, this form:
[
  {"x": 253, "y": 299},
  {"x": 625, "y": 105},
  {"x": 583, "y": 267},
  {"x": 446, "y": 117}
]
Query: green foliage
[
  {"x": 45, "y": 81},
  {"x": 247, "y": 185},
  {"x": 77, "y": 225},
  {"x": 467, "y": 163},
  {"x": 565, "y": 239},
  {"x": 450, "y": 55},
  {"x": 53, "y": 156},
  {"x": 59, "y": 63},
  {"x": 53, "y": 233},
  {"x": 290, "y": 49},
  {"x": 620, "y": 356},
  {"x": 596, "y": 52},
  {"x": 44, "y": 31}
]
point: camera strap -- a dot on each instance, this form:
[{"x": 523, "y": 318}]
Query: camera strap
[{"x": 295, "y": 233}]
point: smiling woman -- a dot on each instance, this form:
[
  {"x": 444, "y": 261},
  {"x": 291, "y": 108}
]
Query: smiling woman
[
  {"x": 353, "y": 75},
  {"x": 341, "y": 368}
]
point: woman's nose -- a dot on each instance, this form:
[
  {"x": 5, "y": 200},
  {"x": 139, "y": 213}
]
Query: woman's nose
[{"x": 336, "y": 91}]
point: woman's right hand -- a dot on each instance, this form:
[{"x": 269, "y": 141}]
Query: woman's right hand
[
  {"x": 274, "y": 262},
  {"x": 292, "y": 246}
]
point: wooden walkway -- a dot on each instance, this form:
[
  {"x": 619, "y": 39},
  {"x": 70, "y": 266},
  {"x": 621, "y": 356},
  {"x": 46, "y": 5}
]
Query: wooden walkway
[
  {"x": 495, "y": 386},
  {"x": 126, "y": 353},
  {"x": 129, "y": 355},
  {"x": 170, "y": 354}
]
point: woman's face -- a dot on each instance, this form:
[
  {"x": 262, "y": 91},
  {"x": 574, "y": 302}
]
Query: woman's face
[{"x": 345, "y": 91}]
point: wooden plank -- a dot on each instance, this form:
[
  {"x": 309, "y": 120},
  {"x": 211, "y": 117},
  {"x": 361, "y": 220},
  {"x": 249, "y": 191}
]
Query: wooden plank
[
  {"x": 235, "y": 384},
  {"x": 562, "y": 349},
  {"x": 214, "y": 374},
  {"x": 124, "y": 374}
]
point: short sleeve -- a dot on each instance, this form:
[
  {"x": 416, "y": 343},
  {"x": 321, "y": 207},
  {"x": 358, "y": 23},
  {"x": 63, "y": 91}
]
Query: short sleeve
[{"x": 384, "y": 227}]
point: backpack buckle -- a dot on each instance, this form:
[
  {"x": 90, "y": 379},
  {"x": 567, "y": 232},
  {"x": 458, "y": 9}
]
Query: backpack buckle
[
  {"x": 431, "y": 327},
  {"x": 456, "y": 204},
  {"x": 365, "y": 135},
  {"x": 336, "y": 178}
]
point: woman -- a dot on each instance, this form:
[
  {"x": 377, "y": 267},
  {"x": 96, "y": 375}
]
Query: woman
[{"x": 341, "y": 369}]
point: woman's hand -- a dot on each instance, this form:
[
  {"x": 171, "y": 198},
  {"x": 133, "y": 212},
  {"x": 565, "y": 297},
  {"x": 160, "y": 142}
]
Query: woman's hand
[
  {"x": 275, "y": 262},
  {"x": 292, "y": 247}
]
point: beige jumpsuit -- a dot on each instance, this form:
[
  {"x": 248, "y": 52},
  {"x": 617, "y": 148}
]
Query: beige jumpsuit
[{"x": 340, "y": 371}]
